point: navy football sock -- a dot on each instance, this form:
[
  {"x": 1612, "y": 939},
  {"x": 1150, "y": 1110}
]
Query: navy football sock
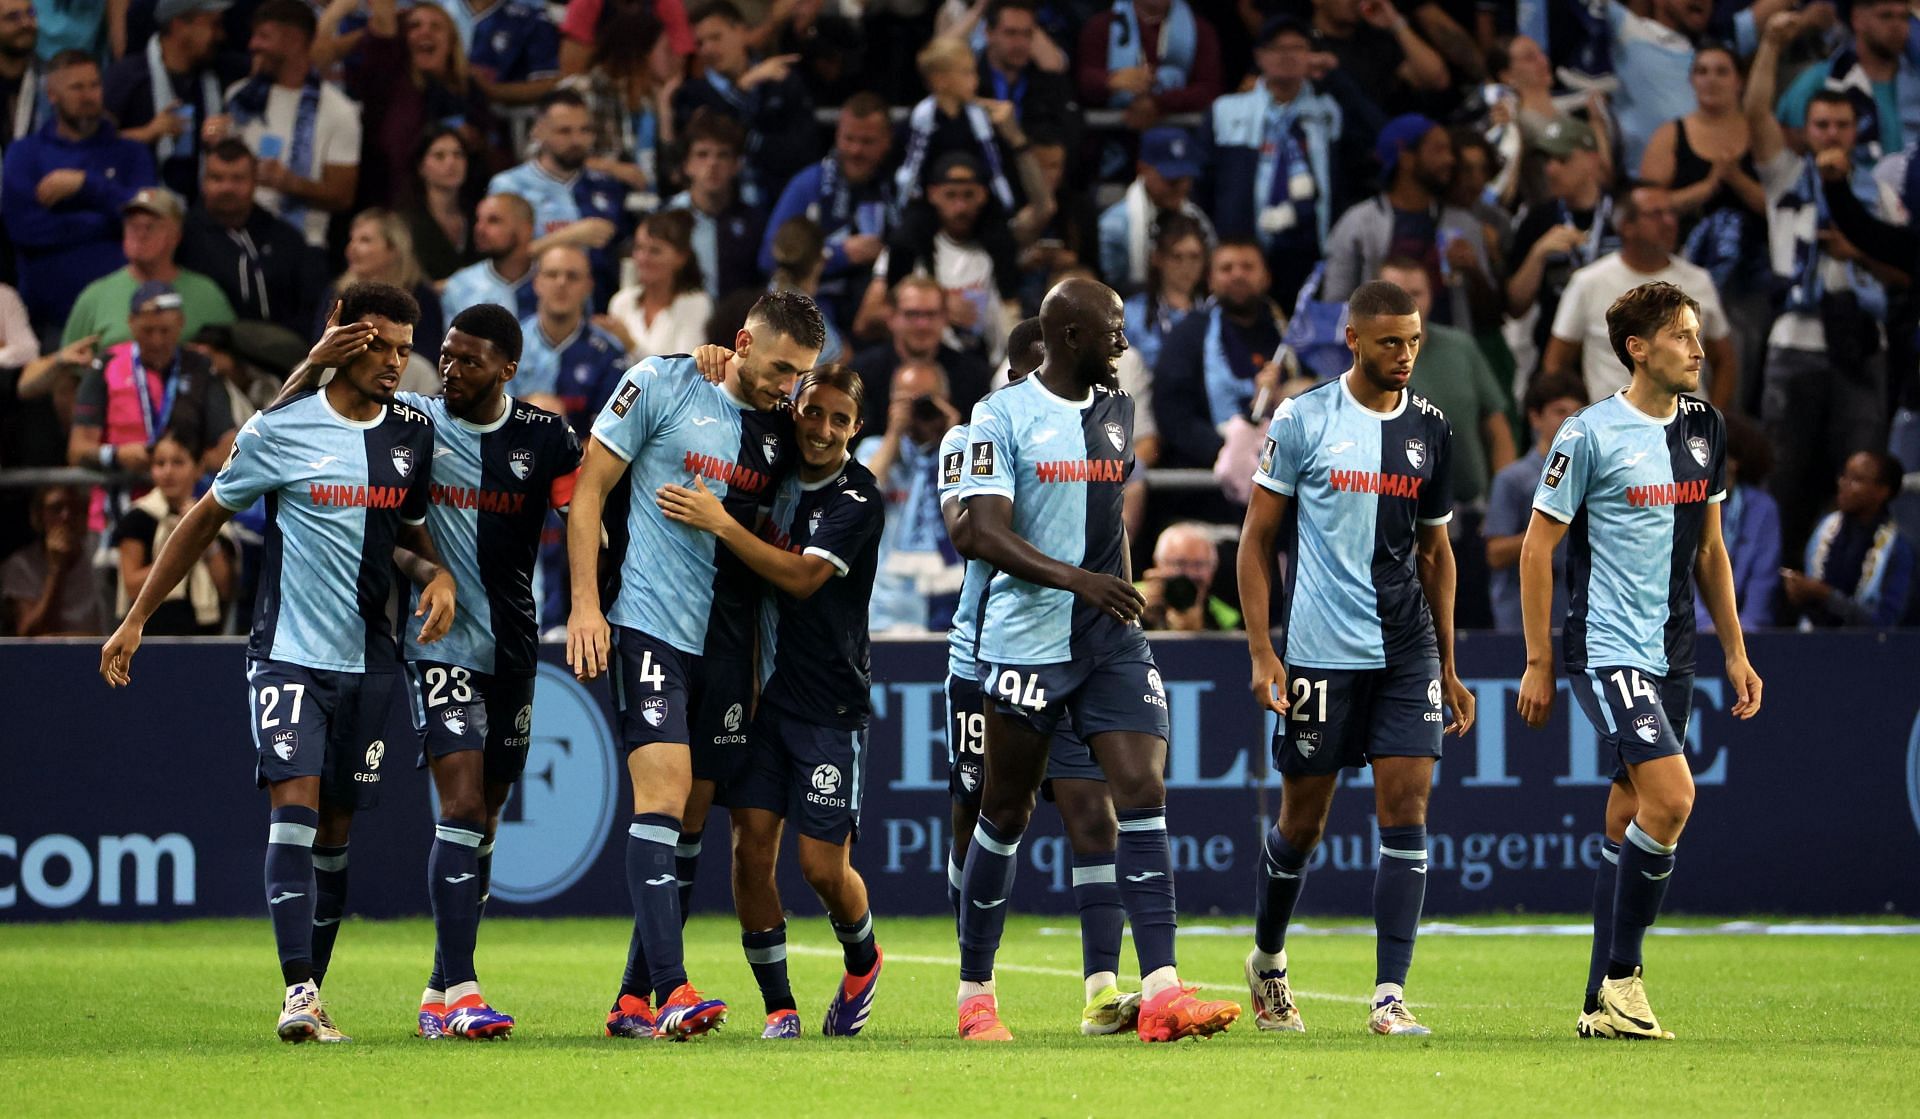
[
  {"x": 1144, "y": 864},
  {"x": 857, "y": 948},
  {"x": 1283, "y": 871},
  {"x": 453, "y": 885},
  {"x": 1102, "y": 918},
  {"x": 651, "y": 839},
  {"x": 290, "y": 888},
  {"x": 985, "y": 884},
  {"x": 1646, "y": 867},
  {"x": 767, "y": 956},
  {"x": 1399, "y": 890},
  {"x": 686, "y": 860},
  {"x": 1603, "y": 887},
  {"x": 329, "y": 904},
  {"x": 483, "y": 866},
  {"x": 953, "y": 886}
]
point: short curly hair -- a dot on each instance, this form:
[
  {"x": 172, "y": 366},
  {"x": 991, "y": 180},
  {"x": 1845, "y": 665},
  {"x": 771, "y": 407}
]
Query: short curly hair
[{"x": 375, "y": 298}]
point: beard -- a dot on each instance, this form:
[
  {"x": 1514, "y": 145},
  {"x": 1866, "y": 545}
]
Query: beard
[{"x": 1237, "y": 308}]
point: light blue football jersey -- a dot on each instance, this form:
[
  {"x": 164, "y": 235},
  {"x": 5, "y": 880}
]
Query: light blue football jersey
[
  {"x": 1361, "y": 481},
  {"x": 961, "y": 637},
  {"x": 337, "y": 492},
  {"x": 1064, "y": 465},
  {"x": 481, "y": 283},
  {"x": 671, "y": 426},
  {"x": 1634, "y": 492}
]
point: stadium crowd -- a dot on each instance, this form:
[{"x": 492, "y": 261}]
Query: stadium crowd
[{"x": 188, "y": 182}]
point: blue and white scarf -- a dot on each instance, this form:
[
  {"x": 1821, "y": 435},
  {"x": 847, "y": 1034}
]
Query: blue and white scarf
[
  {"x": 249, "y": 103},
  {"x": 1284, "y": 176},
  {"x": 1178, "y": 42},
  {"x": 1228, "y": 394},
  {"x": 167, "y": 147},
  {"x": 1806, "y": 284},
  {"x": 1845, "y": 75},
  {"x": 920, "y": 125}
]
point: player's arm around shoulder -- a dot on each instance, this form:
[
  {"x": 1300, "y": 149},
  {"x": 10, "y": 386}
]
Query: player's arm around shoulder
[{"x": 697, "y": 507}]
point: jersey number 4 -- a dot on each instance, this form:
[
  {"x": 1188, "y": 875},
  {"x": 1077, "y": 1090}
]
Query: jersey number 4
[
  {"x": 1021, "y": 692},
  {"x": 650, "y": 673},
  {"x": 445, "y": 684}
]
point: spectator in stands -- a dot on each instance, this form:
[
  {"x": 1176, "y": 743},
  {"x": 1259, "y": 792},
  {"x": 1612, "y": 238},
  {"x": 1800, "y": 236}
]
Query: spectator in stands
[
  {"x": 591, "y": 25},
  {"x": 629, "y": 80},
  {"x": 1648, "y": 231},
  {"x": 917, "y": 328},
  {"x": 1550, "y": 400},
  {"x": 150, "y": 240},
  {"x": 1174, "y": 289},
  {"x": 969, "y": 20},
  {"x": 306, "y": 131},
  {"x": 666, "y": 310},
  {"x": 48, "y": 585},
  {"x": 829, "y": 41},
  {"x": 158, "y": 96},
  {"x": 503, "y": 236},
  {"x": 1453, "y": 375},
  {"x": 249, "y": 388},
  {"x": 413, "y": 68},
  {"x": 440, "y": 217},
  {"x": 1475, "y": 164},
  {"x": 513, "y": 46},
  {"x": 1825, "y": 387},
  {"x": 1008, "y": 71},
  {"x": 727, "y": 232},
  {"x": 766, "y": 98},
  {"x": 1161, "y": 188},
  {"x": 139, "y": 390},
  {"x": 23, "y": 105},
  {"x": 1380, "y": 50},
  {"x": 1150, "y": 58},
  {"x": 63, "y": 189},
  {"x": 263, "y": 266},
  {"x": 572, "y": 203},
  {"x": 799, "y": 258},
  {"x": 1270, "y": 154},
  {"x": 1521, "y": 66},
  {"x": 1750, "y": 524},
  {"x": 1178, "y": 588},
  {"x": 1652, "y": 56},
  {"x": 1878, "y": 71},
  {"x": 1220, "y": 364},
  {"x": 1859, "y": 567},
  {"x": 953, "y": 119},
  {"x": 1070, "y": 236},
  {"x": 1570, "y": 229},
  {"x": 852, "y": 201},
  {"x": 18, "y": 342},
  {"x": 380, "y": 248},
  {"x": 957, "y": 235},
  {"x": 920, "y": 573},
  {"x": 569, "y": 362},
  {"x": 197, "y": 607}
]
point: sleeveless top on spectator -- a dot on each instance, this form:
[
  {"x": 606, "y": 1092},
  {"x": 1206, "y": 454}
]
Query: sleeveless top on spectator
[{"x": 1727, "y": 239}]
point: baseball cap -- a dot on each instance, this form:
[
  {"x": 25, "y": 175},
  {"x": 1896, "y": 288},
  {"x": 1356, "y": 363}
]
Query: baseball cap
[
  {"x": 1564, "y": 136},
  {"x": 1282, "y": 24},
  {"x": 957, "y": 168},
  {"x": 1170, "y": 152},
  {"x": 154, "y": 295},
  {"x": 1402, "y": 132},
  {"x": 158, "y": 201},
  {"x": 166, "y": 11}
]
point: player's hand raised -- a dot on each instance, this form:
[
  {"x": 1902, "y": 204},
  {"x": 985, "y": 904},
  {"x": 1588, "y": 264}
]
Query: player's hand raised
[
  {"x": 587, "y": 639},
  {"x": 1746, "y": 687},
  {"x": 340, "y": 344},
  {"x": 116, "y": 656},
  {"x": 1460, "y": 703},
  {"x": 436, "y": 604},
  {"x": 712, "y": 361},
  {"x": 1110, "y": 595},
  {"x": 1536, "y": 696},
  {"x": 696, "y": 507},
  {"x": 1270, "y": 682}
]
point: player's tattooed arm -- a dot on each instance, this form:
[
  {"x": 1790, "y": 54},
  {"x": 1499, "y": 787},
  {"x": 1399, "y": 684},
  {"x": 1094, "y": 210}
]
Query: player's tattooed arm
[
  {"x": 1254, "y": 569},
  {"x": 183, "y": 549},
  {"x": 998, "y": 545},
  {"x": 337, "y": 346},
  {"x": 1434, "y": 561},
  {"x": 1544, "y": 534},
  {"x": 1714, "y": 572},
  {"x": 437, "y": 591},
  {"x": 797, "y": 575}
]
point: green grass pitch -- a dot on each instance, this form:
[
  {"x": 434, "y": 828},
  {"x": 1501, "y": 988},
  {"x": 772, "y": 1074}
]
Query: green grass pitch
[{"x": 178, "y": 1019}]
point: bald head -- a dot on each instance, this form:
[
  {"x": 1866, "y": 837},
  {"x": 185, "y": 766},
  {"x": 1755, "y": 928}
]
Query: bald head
[{"x": 1082, "y": 332}]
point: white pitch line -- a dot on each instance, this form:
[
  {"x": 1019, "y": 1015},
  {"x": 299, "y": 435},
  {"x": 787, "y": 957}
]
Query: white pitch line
[{"x": 1443, "y": 928}]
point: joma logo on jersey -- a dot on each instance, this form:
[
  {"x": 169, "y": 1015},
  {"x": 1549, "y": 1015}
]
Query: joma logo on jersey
[
  {"x": 1081, "y": 470},
  {"x": 745, "y": 479},
  {"x": 1667, "y": 493},
  {"x": 487, "y": 501},
  {"x": 358, "y": 497},
  {"x": 1367, "y": 481}
]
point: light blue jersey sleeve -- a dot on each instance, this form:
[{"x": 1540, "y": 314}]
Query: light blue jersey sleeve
[
  {"x": 1569, "y": 469},
  {"x": 953, "y": 461},
  {"x": 990, "y": 452},
  {"x": 637, "y": 409},
  {"x": 1284, "y": 452},
  {"x": 253, "y": 468}
]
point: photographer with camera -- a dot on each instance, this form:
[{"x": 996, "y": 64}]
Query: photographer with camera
[
  {"x": 920, "y": 573},
  {"x": 1178, "y": 588}
]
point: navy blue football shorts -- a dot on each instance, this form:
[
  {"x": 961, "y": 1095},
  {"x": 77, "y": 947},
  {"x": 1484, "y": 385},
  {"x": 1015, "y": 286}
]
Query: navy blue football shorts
[
  {"x": 316, "y": 722},
  {"x": 803, "y": 772},
  {"x": 1068, "y": 756},
  {"x": 456, "y": 708},
  {"x": 1343, "y": 718},
  {"x": 1639, "y": 716},
  {"x": 1120, "y": 692}
]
